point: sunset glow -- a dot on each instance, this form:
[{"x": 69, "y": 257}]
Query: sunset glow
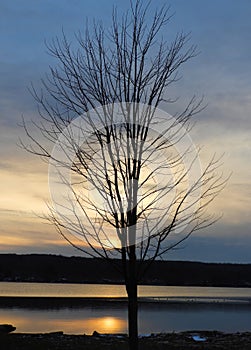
[{"x": 221, "y": 73}]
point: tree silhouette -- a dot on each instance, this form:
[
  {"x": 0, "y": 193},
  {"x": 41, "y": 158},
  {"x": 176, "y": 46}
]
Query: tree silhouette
[{"x": 125, "y": 177}]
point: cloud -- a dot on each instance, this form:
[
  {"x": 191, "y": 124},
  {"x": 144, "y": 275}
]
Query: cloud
[{"x": 219, "y": 243}]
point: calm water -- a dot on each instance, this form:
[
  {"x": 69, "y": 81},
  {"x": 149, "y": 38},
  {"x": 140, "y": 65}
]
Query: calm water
[
  {"x": 104, "y": 290},
  {"x": 112, "y": 317}
]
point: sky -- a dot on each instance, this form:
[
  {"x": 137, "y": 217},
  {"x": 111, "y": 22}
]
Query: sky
[{"x": 221, "y": 73}]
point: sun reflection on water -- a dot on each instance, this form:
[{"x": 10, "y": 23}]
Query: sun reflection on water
[
  {"x": 106, "y": 324},
  {"x": 37, "y": 321}
]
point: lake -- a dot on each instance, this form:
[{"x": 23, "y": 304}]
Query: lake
[{"x": 73, "y": 316}]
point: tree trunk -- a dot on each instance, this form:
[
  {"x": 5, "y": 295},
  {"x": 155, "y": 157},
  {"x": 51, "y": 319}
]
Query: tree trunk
[
  {"x": 132, "y": 292},
  {"x": 133, "y": 317}
]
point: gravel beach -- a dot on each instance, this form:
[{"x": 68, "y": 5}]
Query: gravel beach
[{"x": 207, "y": 340}]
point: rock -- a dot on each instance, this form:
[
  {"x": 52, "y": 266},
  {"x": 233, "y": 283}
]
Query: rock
[
  {"x": 95, "y": 334},
  {"x": 56, "y": 333},
  {"x": 6, "y": 328}
]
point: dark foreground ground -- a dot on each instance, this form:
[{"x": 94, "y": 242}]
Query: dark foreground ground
[{"x": 178, "y": 341}]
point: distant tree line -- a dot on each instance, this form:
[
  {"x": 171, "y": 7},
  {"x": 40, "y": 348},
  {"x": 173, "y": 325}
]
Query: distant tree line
[{"x": 57, "y": 268}]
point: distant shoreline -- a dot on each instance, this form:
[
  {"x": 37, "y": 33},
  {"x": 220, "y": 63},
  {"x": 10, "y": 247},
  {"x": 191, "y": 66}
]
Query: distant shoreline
[
  {"x": 43, "y": 268},
  {"x": 62, "y": 300}
]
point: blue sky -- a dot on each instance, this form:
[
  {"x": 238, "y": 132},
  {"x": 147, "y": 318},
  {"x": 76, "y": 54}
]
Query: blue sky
[{"x": 221, "y": 72}]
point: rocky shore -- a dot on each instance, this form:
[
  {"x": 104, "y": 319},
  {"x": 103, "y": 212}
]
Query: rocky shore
[{"x": 206, "y": 340}]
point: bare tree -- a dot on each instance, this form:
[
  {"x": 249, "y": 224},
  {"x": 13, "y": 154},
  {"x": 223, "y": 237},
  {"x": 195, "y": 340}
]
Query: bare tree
[{"x": 125, "y": 177}]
